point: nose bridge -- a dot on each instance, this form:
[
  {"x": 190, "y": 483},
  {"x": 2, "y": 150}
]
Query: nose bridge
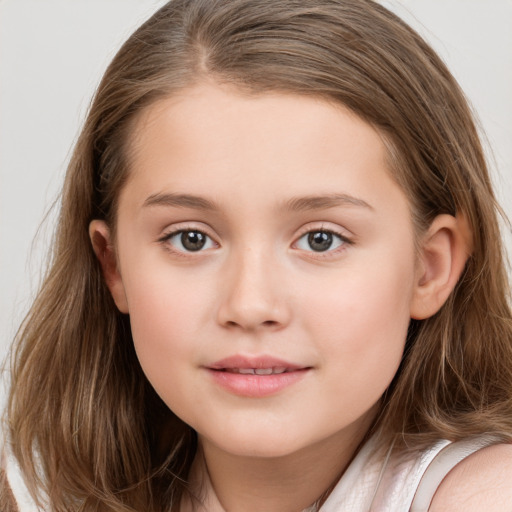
[{"x": 253, "y": 296}]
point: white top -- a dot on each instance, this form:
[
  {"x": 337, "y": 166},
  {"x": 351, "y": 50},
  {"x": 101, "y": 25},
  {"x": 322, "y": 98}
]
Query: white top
[
  {"x": 398, "y": 482},
  {"x": 371, "y": 483}
]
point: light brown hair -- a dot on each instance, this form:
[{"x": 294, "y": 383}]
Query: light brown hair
[{"x": 85, "y": 424}]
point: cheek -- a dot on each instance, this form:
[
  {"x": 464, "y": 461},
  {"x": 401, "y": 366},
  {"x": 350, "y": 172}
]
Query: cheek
[
  {"x": 165, "y": 314},
  {"x": 360, "y": 325},
  {"x": 363, "y": 304}
]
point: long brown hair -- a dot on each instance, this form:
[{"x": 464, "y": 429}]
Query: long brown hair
[{"x": 85, "y": 425}]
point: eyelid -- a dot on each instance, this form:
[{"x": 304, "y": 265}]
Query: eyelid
[
  {"x": 186, "y": 226},
  {"x": 182, "y": 227},
  {"x": 343, "y": 234},
  {"x": 327, "y": 227}
]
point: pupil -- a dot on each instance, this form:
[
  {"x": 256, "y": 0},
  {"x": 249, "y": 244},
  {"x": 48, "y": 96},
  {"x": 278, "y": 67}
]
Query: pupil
[
  {"x": 320, "y": 241},
  {"x": 193, "y": 240}
]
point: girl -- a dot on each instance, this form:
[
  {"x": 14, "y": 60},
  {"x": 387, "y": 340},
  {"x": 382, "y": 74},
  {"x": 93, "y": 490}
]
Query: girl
[{"x": 277, "y": 282}]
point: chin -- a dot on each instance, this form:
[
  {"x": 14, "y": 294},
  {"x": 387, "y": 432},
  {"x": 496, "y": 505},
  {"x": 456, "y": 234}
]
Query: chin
[{"x": 260, "y": 443}]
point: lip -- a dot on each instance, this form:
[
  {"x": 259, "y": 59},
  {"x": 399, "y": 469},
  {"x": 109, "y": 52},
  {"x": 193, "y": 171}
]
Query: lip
[{"x": 225, "y": 373}]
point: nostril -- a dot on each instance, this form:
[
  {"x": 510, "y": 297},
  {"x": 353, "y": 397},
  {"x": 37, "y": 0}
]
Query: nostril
[{"x": 266, "y": 323}]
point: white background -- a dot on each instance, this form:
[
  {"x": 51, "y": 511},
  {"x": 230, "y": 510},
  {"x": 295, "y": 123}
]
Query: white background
[{"x": 52, "y": 55}]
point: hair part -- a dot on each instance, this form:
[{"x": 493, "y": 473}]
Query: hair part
[{"x": 85, "y": 424}]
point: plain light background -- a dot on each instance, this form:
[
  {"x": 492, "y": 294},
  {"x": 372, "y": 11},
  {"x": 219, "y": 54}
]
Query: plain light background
[{"x": 52, "y": 55}]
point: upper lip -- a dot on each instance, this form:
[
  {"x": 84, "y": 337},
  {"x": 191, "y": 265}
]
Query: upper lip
[{"x": 256, "y": 362}]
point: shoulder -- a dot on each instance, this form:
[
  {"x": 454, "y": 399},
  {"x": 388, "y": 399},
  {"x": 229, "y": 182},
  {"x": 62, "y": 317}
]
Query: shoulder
[
  {"x": 14, "y": 495},
  {"x": 7, "y": 501},
  {"x": 482, "y": 481}
]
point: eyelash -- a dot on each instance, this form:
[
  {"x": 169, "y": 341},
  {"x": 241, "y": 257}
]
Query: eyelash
[
  {"x": 343, "y": 241},
  {"x": 167, "y": 238}
]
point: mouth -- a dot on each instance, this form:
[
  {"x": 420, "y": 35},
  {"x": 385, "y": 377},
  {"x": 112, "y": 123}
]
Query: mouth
[
  {"x": 256, "y": 377},
  {"x": 258, "y": 371}
]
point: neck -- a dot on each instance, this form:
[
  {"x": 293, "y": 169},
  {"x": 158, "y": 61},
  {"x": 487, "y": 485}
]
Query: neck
[{"x": 290, "y": 483}]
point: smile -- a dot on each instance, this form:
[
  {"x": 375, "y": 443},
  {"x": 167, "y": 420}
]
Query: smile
[
  {"x": 256, "y": 377},
  {"x": 258, "y": 371}
]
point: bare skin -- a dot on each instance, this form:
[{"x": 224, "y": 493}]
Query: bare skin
[
  {"x": 308, "y": 259},
  {"x": 480, "y": 482},
  {"x": 284, "y": 484}
]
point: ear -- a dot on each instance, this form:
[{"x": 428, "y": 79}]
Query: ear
[
  {"x": 444, "y": 251},
  {"x": 99, "y": 234}
]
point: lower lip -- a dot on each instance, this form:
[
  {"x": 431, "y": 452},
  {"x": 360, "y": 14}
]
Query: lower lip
[{"x": 256, "y": 386}]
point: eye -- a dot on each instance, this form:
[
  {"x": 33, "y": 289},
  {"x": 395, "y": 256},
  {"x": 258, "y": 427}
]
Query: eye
[
  {"x": 320, "y": 241},
  {"x": 189, "y": 240}
]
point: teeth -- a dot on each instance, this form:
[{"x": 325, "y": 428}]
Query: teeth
[
  {"x": 257, "y": 371},
  {"x": 263, "y": 371}
]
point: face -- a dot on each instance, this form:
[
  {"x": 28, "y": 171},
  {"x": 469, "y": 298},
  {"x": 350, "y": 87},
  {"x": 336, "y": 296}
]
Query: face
[{"x": 266, "y": 259}]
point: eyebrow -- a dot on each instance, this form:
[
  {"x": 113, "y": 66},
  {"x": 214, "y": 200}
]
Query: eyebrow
[
  {"x": 180, "y": 201},
  {"x": 303, "y": 203},
  {"x": 325, "y": 201}
]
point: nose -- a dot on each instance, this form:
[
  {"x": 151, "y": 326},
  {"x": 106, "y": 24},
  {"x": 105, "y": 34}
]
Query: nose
[{"x": 253, "y": 293}]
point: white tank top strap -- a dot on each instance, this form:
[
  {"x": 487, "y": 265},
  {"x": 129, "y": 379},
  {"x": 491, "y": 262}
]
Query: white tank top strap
[
  {"x": 444, "y": 461},
  {"x": 400, "y": 478},
  {"x": 381, "y": 481}
]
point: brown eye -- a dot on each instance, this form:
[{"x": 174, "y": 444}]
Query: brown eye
[
  {"x": 193, "y": 240},
  {"x": 189, "y": 240},
  {"x": 320, "y": 241}
]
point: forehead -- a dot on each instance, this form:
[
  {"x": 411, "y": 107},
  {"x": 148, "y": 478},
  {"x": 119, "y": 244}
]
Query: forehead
[{"x": 208, "y": 139}]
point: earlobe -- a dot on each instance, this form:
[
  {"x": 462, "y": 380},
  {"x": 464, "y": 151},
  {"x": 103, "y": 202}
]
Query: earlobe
[
  {"x": 103, "y": 247},
  {"x": 443, "y": 254}
]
